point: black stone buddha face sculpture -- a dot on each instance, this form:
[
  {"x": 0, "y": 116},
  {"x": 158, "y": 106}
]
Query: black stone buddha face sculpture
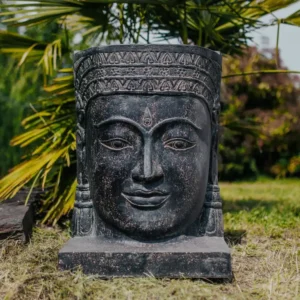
[
  {"x": 147, "y": 142},
  {"x": 148, "y": 162}
]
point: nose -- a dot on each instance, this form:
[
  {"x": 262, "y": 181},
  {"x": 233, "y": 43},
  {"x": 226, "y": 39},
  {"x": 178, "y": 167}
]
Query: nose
[{"x": 147, "y": 170}]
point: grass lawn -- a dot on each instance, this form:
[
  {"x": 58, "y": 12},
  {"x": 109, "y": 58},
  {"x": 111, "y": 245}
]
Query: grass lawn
[{"x": 262, "y": 225}]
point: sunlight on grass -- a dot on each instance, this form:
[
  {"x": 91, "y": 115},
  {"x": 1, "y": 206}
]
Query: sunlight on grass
[
  {"x": 267, "y": 208},
  {"x": 262, "y": 221}
]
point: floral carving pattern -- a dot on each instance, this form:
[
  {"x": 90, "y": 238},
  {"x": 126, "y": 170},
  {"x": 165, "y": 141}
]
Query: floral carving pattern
[{"x": 147, "y": 72}]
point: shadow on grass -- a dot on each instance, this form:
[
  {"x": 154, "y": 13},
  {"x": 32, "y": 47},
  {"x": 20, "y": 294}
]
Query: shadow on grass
[
  {"x": 272, "y": 214},
  {"x": 234, "y": 237}
]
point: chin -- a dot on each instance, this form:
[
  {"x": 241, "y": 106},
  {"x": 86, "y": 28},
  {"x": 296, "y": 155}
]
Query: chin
[{"x": 153, "y": 230}]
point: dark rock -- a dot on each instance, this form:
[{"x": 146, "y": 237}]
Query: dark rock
[{"x": 16, "y": 218}]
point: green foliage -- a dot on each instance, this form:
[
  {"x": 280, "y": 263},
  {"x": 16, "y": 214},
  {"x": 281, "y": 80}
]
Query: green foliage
[
  {"x": 293, "y": 19},
  {"x": 271, "y": 102},
  {"x": 18, "y": 87},
  {"x": 49, "y": 131}
]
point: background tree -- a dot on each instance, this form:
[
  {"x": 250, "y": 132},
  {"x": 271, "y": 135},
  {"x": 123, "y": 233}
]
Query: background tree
[
  {"x": 269, "y": 107},
  {"x": 49, "y": 132}
]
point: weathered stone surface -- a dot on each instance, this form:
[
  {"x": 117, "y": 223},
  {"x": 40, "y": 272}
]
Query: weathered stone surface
[
  {"x": 16, "y": 219},
  {"x": 200, "y": 257},
  {"x": 148, "y": 198}
]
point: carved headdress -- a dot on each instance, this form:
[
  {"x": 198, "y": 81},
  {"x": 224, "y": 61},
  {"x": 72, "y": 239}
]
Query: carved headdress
[{"x": 147, "y": 69}]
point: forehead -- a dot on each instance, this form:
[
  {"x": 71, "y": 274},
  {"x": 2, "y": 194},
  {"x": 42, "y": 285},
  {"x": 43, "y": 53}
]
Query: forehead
[{"x": 160, "y": 107}]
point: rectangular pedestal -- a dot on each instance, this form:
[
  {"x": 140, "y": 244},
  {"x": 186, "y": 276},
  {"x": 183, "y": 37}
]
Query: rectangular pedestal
[{"x": 186, "y": 257}]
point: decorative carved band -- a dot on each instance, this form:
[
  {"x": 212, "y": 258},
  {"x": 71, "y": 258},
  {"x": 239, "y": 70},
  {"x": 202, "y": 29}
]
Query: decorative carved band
[
  {"x": 148, "y": 69},
  {"x": 80, "y": 204},
  {"x": 213, "y": 188},
  {"x": 213, "y": 205}
]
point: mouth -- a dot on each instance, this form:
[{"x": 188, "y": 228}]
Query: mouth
[{"x": 146, "y": 199}]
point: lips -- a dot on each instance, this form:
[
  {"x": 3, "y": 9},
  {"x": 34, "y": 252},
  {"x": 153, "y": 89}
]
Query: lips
[{"x": 146, "y": 199}]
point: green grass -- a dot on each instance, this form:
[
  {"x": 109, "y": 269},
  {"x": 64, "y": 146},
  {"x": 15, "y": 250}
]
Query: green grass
[{"x": 262, "y": 224}]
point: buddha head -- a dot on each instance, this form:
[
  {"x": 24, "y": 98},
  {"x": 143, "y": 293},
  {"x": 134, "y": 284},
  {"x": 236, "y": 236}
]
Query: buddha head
[{"x": 145, "y": 141}]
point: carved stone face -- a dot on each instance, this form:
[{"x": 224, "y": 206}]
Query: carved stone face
[{"x": 148, "y": 162}]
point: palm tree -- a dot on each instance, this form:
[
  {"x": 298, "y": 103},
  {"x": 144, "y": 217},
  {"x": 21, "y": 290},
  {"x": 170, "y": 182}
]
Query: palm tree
[{"x": 223, "y": 25}]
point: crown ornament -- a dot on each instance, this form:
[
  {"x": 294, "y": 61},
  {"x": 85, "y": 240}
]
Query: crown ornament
[{"x": 148, "y": 69}]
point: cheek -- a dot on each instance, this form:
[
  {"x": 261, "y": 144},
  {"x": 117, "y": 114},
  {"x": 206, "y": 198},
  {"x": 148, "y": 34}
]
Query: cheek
[
  {"x": 111, "y": 161},
  {"x": 108, "y": 170},
  {"x": 186, "y": 172},
  {"x": 187, "y": 165}
]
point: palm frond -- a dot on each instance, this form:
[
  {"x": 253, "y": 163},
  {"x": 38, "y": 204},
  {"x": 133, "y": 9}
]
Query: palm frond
[
  {"x": 293, "y": 19},
  {"x": 51, "y": 130},
  {"x": 37, "y": 12},
  {"x": 33, "y": 51},
  {"x": 223, "y": 25}
]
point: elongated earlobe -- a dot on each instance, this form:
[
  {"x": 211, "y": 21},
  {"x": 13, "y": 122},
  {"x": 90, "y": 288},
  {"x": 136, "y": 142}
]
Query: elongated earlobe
[
  {"x": 83, "y": 214},
  {"x": 212, "y": 217}
]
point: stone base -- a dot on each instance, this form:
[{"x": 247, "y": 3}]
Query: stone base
[{"x": 185, "y": 257}]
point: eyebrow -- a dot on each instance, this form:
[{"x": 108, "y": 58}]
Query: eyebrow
[
  {"x": 141, "y": 128},
  {"x": 120, "y": 119},
  {"x": 174, "y": 120}
]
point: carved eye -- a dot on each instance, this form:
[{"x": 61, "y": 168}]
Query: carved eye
[
  {"x": 116, "y": 144},
  {"x": 179, "y": 144}
]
